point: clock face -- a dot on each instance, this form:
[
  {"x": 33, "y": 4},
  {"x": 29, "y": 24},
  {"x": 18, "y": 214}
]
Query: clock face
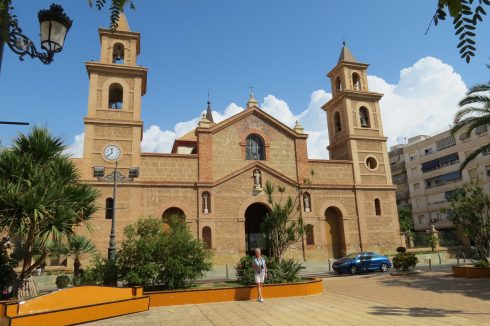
[{"x": 112, "y": 152}]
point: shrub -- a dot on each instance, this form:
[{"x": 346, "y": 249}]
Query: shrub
[
  {"x": 103, "y": 272},
  {"x": 401, "y": 249},
  {"x": 244, "y": 271},
  {"x": 152, "y": 255},
  {"x": 283, "y": 271},
  {"x": 62, "y": 281},
  {"x": 482, "y": 263},
  {"x": 405, "y": 261}
]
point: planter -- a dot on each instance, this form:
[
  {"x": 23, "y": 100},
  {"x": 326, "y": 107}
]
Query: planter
[
  {"x": 471, "y": 271},
  {"x": 195, "y": 296},
  {"x": 74, "y": 306}
]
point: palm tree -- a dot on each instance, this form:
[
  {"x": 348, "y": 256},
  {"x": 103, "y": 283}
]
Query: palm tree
[
  {"x": 41, "y": 198},
  {"x": 474, "y": 113},
  {"x": 75, "y": 246}
]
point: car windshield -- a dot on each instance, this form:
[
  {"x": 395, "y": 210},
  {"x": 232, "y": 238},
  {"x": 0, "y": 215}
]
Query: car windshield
[{"x": 352, "y": 256}]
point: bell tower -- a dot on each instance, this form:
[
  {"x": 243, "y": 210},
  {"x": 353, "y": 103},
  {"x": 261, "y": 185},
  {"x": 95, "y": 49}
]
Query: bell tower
[
  {"x": 116, "y": 85},
  {"x": 354, "y": 122}
]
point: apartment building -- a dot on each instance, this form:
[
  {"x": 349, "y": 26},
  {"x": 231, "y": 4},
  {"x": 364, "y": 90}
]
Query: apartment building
[{"x": 429, "y": 170}]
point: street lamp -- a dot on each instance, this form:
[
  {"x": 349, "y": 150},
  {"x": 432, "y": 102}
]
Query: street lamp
[
  {"x": 115, "y": 177},
  {"x": 54, "y": 25}
]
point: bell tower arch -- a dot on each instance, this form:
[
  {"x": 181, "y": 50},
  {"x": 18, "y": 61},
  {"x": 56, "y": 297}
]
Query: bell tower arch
[
  {"x": 354, "y": 122},
  {"x": 116, "y": 86}
]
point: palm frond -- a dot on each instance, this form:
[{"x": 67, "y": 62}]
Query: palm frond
[{"x": 473, "y": 155}]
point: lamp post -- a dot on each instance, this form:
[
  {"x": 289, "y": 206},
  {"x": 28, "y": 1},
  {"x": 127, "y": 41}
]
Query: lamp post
[
  {"x": 54, "y": 25},
  {"x": 115, "y": 177}
]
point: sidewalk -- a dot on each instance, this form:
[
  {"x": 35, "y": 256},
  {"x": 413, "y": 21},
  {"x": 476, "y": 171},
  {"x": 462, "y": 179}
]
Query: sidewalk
[
  {"x": 321, "y": 268},
  {"x": 364, "y": 300}
]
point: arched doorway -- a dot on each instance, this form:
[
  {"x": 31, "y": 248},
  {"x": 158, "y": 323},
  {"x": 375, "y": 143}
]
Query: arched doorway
[
  {"x": 254, "y": 216},
  {"x": 173, "y": 212},
  {"x": 333, "y": 232}
]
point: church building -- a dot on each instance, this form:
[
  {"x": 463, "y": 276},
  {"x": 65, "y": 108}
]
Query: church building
[{"x": 215, "y": 174}]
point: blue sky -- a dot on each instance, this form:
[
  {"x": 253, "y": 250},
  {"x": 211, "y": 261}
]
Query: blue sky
[{"x": 282, "y": 48}]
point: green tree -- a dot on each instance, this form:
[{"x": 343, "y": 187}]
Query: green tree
[
  {"x": 470, "y": 213},
  {"x": 153, "y": 254},
  {"x": 280, "y": 226},
  {"x": 466, "y": 15},
  {"x": 41, "y": 197},
  {"x": 75, "y": 246},
  {"x": 406, "y": 223},
  {"x": 474, "y": 112}
]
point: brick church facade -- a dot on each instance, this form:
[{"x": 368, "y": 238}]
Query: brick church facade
[{"x": 215, "y": 174}]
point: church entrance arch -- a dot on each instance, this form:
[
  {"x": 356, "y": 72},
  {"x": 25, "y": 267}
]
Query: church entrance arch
[
  {"x": 333, "y": 232},
  {"x": 254, "y": 238}
]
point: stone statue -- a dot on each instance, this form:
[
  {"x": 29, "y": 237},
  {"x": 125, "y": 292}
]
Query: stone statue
[
  {"x": 205, "y": 203},
  {"x": 257, "y": 179},
  {"x": 306, "y": 200}
]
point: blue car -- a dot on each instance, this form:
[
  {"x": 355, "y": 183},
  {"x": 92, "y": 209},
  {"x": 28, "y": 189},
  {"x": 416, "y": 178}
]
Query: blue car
[{"x": 362, "y": 262}]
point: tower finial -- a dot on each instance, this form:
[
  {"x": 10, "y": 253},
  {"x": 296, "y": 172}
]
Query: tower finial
[
  {"x": 252, "y": 102},
  {"x": 209, "y": 111}
]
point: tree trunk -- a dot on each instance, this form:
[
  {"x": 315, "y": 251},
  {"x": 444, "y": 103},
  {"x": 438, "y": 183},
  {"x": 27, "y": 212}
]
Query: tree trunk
[{"x": 76, "y": 267}]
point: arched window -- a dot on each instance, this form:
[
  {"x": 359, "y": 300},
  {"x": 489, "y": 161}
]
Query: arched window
[
  {"x": 307, "y": 202},
  {"x": 255, "y": 148},
  {"x": 377, "y": 207},
  {"x": 206, "y": 202},
  {"x": 364, "y": 117},
  {"x": 356, "y": 81},
  {"x": 118, "y": 53},
  {"x": 338, "y": 124},
  {"x": 310, "y": 236},
  {"x": 206, "y": 237},
  {"x": 109, "y": 208},
  {"x": 338, "y": 84},
  {"x": 115, "y": 96}
]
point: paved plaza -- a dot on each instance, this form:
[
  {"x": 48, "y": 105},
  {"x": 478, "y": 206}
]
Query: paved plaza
[{"x": 425, "y": 299}]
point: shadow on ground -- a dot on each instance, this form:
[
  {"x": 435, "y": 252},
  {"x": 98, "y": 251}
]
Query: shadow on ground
[
  {"x": 443, "y": 283},
  {"x": 412, "y": 312}
]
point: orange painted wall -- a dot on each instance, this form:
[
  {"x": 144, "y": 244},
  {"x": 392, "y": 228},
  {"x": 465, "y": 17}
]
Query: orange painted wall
[{"x": 171, "y": 298}]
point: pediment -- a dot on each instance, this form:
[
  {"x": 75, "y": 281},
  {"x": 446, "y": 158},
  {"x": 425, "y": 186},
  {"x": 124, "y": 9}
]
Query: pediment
[{"x": 262, "y": 116}]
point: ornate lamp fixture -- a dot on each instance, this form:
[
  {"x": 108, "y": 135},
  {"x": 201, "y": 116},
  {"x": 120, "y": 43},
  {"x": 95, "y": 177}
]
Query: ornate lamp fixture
[{"x": 54, "y": 25}]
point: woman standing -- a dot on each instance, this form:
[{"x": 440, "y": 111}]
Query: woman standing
[{"x": 260, "y": 271}]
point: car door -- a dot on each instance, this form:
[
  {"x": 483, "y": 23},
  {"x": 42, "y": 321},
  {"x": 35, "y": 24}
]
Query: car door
[
  {"x": 364, "y": 262},
  {"x": 374, "y": 262}
]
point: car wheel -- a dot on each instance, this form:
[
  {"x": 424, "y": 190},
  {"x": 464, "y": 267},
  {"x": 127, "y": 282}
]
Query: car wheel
[
  {"x": 353, "y": 270},
  {"x": 384, "y": 268}
]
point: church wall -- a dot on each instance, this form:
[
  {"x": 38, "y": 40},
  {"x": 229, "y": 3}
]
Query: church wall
[
  {"x": 380, "y": 232},
  {"x": 134, "y": 202},
  {"x": 229, "y": 154},
  {"x": 170, "y": 168},
  {"x": 329, "y": 172}
]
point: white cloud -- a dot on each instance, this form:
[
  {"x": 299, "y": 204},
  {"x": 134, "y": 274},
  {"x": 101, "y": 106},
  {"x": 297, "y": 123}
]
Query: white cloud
[
  {"x": 161, "y": 141},
  {"x": 76, "y": 149},
  {"x": 422, "y": 102}
]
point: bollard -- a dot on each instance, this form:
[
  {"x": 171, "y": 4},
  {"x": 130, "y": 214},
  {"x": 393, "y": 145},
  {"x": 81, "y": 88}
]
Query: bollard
[
  {"x": 329, "y": 267},
  {"x": 430, "y": 264},
  {"x": 226, "y": 271},
  {"x": 464, "y": 259},
  {"x": 457, "y": 260},
  {"x": 439, "y": 255}
]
